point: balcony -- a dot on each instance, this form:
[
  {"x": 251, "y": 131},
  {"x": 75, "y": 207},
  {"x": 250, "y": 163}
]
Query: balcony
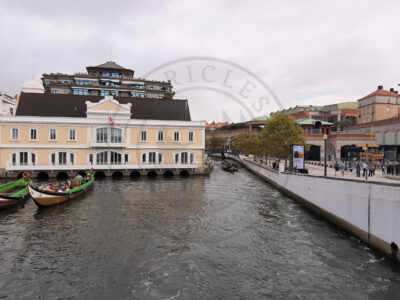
[{"x": 107, "y": 145}]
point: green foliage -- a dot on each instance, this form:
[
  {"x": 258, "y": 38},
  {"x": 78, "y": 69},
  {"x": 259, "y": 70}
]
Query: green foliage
[
  {"x": 248, "y": 144},
  {"x": 215, "y": 142},
  {"x": 233, "y": 126},
  {"x": 280, "y": 133}
]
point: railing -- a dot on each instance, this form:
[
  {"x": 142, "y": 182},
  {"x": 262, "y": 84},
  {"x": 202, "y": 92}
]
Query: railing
[{"x": 100, "y": 167}]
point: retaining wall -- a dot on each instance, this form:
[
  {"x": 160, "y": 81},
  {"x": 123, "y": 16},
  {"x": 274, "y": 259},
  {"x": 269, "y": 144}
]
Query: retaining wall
[{"x": 370, "y": 210}]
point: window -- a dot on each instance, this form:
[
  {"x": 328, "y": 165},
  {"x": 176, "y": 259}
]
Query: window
[
  {"x": 62, "y": 158},
  {"x": 115, "y": 158},
  {"x": 184, "y": 158},
  {"x": 14, "y": 159},
  {"x": 11, "y": 111},
  {"x": 33, "y": 158},
  {"x": 115, "y": 75},
  {"x": 126, "y": 158},
  {"x": 143, "y": 136},
  {"x": 116, "y": 135},
  {"x": 152, "y": 158},
  {"x": 80, "y": 92},
  {"x": 161, "y": 136},
  {"x": 53, "y": 158},
  {"x": 308, "y": 130},
  {"x": 101, "y": 135},
  {"x": 101, "y": 158},
  {"x": 33, "y": 134},
  {"x": 104, "y": 93},
  {"x": 91, "y": 159},
  {"x": 83, "y": 82},
  {"x": 138, "y": 94},
  {"x": 115, "y": 93},
  {"x": 176, "y": 136},
  {"x": 15, "y": 134},
  {"x": 71, "y": 158},
  {"x": 105, "y": 74},
  {"x": 191, "y": 136},
  {"x": 53, "y": 134},
  {"x": 23, "y": 158},
  {"x": 55, "y": 91},
  {"x": 72, "y": 135}
]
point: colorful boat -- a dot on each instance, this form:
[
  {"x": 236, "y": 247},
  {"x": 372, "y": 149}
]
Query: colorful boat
[
  {"x": 57, "y": 193},
  {"x": 14, "y": 192}
]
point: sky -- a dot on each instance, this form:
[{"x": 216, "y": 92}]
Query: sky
[{"x": 246, "y": 58}]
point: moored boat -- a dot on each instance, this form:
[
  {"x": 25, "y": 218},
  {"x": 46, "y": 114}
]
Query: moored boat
[
  {"x": 229, "y": 167},
  {"x": 14, "y": 192},
  {"x": 60, "y": 192}
]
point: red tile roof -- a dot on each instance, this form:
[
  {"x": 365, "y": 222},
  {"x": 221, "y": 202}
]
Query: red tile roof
[{"x": 382, "y": 93}]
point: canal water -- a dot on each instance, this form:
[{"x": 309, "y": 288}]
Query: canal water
[{"x": 226, "y": 236}]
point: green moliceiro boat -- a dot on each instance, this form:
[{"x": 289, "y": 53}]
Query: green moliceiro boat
[
  {"x": 14, "y": 192},
  {"x": 52, "y": 195}
]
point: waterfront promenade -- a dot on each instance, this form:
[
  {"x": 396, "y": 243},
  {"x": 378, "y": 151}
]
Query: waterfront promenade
[{"x": 378, "y": 177}]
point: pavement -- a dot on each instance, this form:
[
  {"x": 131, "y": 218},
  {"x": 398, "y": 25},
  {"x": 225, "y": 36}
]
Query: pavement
[{"x": 378, "y": 177}]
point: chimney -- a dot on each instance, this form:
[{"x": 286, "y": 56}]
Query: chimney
[
  {"x": 392, "y": 90},
  {"x": 380, "y": 87}
]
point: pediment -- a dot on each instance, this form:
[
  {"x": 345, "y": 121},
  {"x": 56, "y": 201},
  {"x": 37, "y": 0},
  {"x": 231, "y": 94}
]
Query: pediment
[{"x": 108, "y": 106}]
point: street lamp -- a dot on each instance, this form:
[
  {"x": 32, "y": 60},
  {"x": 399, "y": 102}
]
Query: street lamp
[{"x": 325, "y": 138}]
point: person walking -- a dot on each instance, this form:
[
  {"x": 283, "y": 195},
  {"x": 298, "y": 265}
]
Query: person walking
[
  {"x": 358, "y": 169},
  {"x": 364, "y": 167},
  {"x": 336, "y": 166},
  {"x": 370, "y": 169},
  {"x": 342, "y": 168}
]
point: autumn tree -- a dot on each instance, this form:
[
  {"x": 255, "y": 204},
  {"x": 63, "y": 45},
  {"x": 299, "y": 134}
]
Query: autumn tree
[
  {"x": 248, "y": 144},
  {"x": 279, "y": 134}
]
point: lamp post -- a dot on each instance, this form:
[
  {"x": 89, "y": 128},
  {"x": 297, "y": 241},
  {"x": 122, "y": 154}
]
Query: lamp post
[{"x": 325, "y": 138}]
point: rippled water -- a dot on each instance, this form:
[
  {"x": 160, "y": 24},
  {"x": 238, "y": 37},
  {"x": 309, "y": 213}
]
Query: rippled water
[{"x": 226, "y": 236}]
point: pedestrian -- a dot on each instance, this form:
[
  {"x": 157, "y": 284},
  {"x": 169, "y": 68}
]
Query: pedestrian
[
  {"x": 364, "y": 167},
  {"x": 342, "y": 168},
  {"x": 336, "y": 166},
  {"x": 358, "y": 169}
]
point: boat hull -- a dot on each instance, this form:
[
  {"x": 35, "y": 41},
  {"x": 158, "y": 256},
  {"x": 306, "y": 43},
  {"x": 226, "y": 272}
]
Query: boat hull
[
  {"x": 4, "y": 202},
  {"x": 46, "y": 198}
]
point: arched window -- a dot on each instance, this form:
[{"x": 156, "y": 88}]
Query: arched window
[
  {"x": 115, "y": 158},
  {"x": 23, "y": 158},
  {"x": 152, "y": 158},
  {"x": 62, "y": 158},
  {"x": 101, "y": 135},
  {"x": 184, "y": 158},
  {"x": 101, "y": 158},
  {"x": 116, "y": 135}
]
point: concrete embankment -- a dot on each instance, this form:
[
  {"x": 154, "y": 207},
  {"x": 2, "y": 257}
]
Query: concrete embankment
[{"x": 370, "y": 210}]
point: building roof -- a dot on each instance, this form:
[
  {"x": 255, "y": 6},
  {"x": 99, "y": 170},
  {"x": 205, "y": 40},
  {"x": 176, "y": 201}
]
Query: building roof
[
  {"x": 67, "y": 105},
  {"x": 110, "y": 65},
  {"x": 261, "y": 118},
  {"x": 381, "y": 93},
  {"x": 312, "y": 122}
]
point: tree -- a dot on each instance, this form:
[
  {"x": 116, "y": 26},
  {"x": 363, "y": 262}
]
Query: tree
[
  {"x": 280, "y": 133},
  {"x": 215, "y": 142},
  {"x": 248, "y": 144}
]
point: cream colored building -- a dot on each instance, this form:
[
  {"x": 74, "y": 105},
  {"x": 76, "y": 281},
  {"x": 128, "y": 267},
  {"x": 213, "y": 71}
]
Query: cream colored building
[
  {"x": 66, "y": 133},
  {"x": 379, "y": 105}
]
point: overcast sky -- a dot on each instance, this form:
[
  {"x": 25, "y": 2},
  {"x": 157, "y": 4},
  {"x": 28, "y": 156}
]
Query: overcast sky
[{"x": 306, "y": 52}]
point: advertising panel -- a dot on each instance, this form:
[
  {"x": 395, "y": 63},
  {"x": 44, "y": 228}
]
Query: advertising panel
[{"x": 298, "y": 156}]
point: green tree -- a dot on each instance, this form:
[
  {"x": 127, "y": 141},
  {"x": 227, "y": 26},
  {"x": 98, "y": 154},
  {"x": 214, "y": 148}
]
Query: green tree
[
  {"x": 215, "y": 142},
  {"x": 248, "y": 144},
  {"x": 280, "y": 133}
]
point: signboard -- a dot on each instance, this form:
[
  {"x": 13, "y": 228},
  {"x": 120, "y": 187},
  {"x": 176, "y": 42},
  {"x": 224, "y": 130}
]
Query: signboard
[{"x": 298, "y": 156}]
